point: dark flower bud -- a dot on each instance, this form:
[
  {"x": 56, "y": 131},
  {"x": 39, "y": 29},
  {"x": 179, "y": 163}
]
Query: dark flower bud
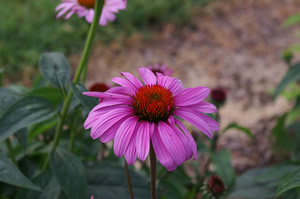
[
  {"x": 218, "y": 95},
  {"x": 215, "y": 186},
  {"x": 99, "y": 87}
]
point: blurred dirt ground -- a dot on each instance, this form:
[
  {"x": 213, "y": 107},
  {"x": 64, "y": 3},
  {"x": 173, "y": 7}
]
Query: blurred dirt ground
[{"x": 232, "y": 43}]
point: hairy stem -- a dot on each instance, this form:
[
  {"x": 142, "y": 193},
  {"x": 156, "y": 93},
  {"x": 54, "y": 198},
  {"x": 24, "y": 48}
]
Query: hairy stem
[
  {"x": 128, "y": 180},
  {"x": 82, "y": 64},
  {"x": 152, "y": 172}
]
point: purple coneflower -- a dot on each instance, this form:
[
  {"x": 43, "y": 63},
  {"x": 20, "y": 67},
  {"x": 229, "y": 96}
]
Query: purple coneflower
[
  {"x": 85, "y": 8},
  {"x": 163, "y": 69},
  {"x": 136, "y": 114}
]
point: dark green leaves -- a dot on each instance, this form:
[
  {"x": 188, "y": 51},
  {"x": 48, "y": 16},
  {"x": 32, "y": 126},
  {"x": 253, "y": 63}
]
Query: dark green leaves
[
  {"x": 7, "y": 98},
  {"x": 292, "y": 75},
  {"x": 245, "y": 130},
  {"x": 49, "y": 185},
  {"x": 260, "y": 183},
  {"x": 291, "y": 181},
  {"x": 11, "y": 175},
  {"x": 87, "y": 102},
  {"x": 27, "y": 111},
  {"x": 222, "y": 162},
  {"x": 55, "y": 68},
  {"x": 70, "y": 174},
  {"x": 108, "y": 181}
]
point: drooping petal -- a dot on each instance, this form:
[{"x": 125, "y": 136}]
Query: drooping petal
[
  {"x": 147, "y": 76},
  {"x": 107, "y": 95},
  {"x": 143, "y": 140},
  {"x": 161, "y": 152},
  {"x": 124, "y": 135},
  {"x": 195, "y": 120},
  {"x": 190, "y": 96},
  {"x": 204, "y": 107},
  {"x": 94, "y": 115},
  {"x": 107, "y": 120},
  {"x": 172, "y": 143},
  {"x": 130, "y": 154},
  {"x": 125, "y": 83},
  {"x": 189, "y": 137},
  {"x": 110, "y": 133}
]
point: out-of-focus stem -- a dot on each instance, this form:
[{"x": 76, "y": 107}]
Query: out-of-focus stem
[
  {"x": 82, "y": 64},
  {"x": 152, "y": 172},
  {"x": 128, "y": 180}
]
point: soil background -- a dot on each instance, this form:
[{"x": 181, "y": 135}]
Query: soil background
[{"x": 231, "y": 43}]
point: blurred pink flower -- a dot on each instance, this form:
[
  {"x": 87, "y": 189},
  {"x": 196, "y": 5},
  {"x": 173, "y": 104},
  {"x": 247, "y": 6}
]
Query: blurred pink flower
[
  {"x": 133, "y": 114},
  {"x": 85, "y": 8},
  {"x": 163, "y": 69}
]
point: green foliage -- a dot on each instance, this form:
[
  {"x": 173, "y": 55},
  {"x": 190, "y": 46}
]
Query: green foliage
[
  {"x": 292, "y": 75},
  {"x": 55, "y": 68},
  {"x": 292, "y": 20},
  {"x": 260, "y": 183},
  {"x": 243, "y": 129},
  {"x": 11, "y": 175},
  {"x": 107, "y": 180},
  {"x": 27, "y": 111},
  {"x": 87, "y": 102},
  {"x": 222, "y": 163},
  {"x": 292, "y": 180},
  {"x": 70, "y": 174}
]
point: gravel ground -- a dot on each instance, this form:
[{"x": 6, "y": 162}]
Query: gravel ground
[{"x": 235, "y": 44}]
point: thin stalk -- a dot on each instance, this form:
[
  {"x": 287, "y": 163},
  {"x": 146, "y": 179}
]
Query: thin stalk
[
  {"x": 128, "y": 180},
  {"x": 10, "y": 151},
  {"x": 152, "y": 172},
  {"x": 82, "y": 64}
]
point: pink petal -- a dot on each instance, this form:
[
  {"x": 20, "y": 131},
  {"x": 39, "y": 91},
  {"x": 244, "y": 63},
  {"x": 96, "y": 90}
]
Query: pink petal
[
  {"x": 123, "y": 135},
  {"x": 189, "y": 137},
  {"x": 161, "y": 152},
  {"x": 125, "y": 83},
  {"x": 135, "y": 81},
  {"x": 204, "y": 107},
  {"x": 172, "y": 143},
  {"x": 130, "y": 154},
  {"x": 190, "y": 96},
  {"x": 107, "y": 120},
  {"x": 110, "y": 134},
  {"x": 147, "y": 76},
  {"x": 106, "y": 95},
  {"x": 119, "y": 90},
  {"x": 195, "y": 120},
  {"x": 143, "y": 140}
]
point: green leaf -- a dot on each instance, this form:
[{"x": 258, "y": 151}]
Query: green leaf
[
  {"x": 7, "y": 98},
  {"x": 52, "y": 94},
  {"x": 55, "y": 68},
  {"x": 87, "y": 102},
  {"x": 259, "y": 183},
  {"x": 280, "y": 134},
  {"x": 292, "y": 75},
  {"x": 11, "y": 175},
  {"x": 41, "y": 127},
  {"x": 243, "y": 129},
  {"x": 49, "y": 185},
  {"x": 69, "y": 172},
  {"x": 222, "y": 163},
  {"x": 291, "y": 181},
  {"x": 22, "y": 138},
  {"x": 107, "y": 180},
  {"x": 27, "y": 111},
  {"x": 292, "y": 20},
  {"x": 174, "y": 185}
]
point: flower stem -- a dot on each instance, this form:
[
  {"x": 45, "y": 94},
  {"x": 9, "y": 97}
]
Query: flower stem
[
  {"x": 10, "y": 151},
  {"x": 128, "y": 180},
  {"x": 82, "y": 64},
  {"x": 152, "y": 172}
]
